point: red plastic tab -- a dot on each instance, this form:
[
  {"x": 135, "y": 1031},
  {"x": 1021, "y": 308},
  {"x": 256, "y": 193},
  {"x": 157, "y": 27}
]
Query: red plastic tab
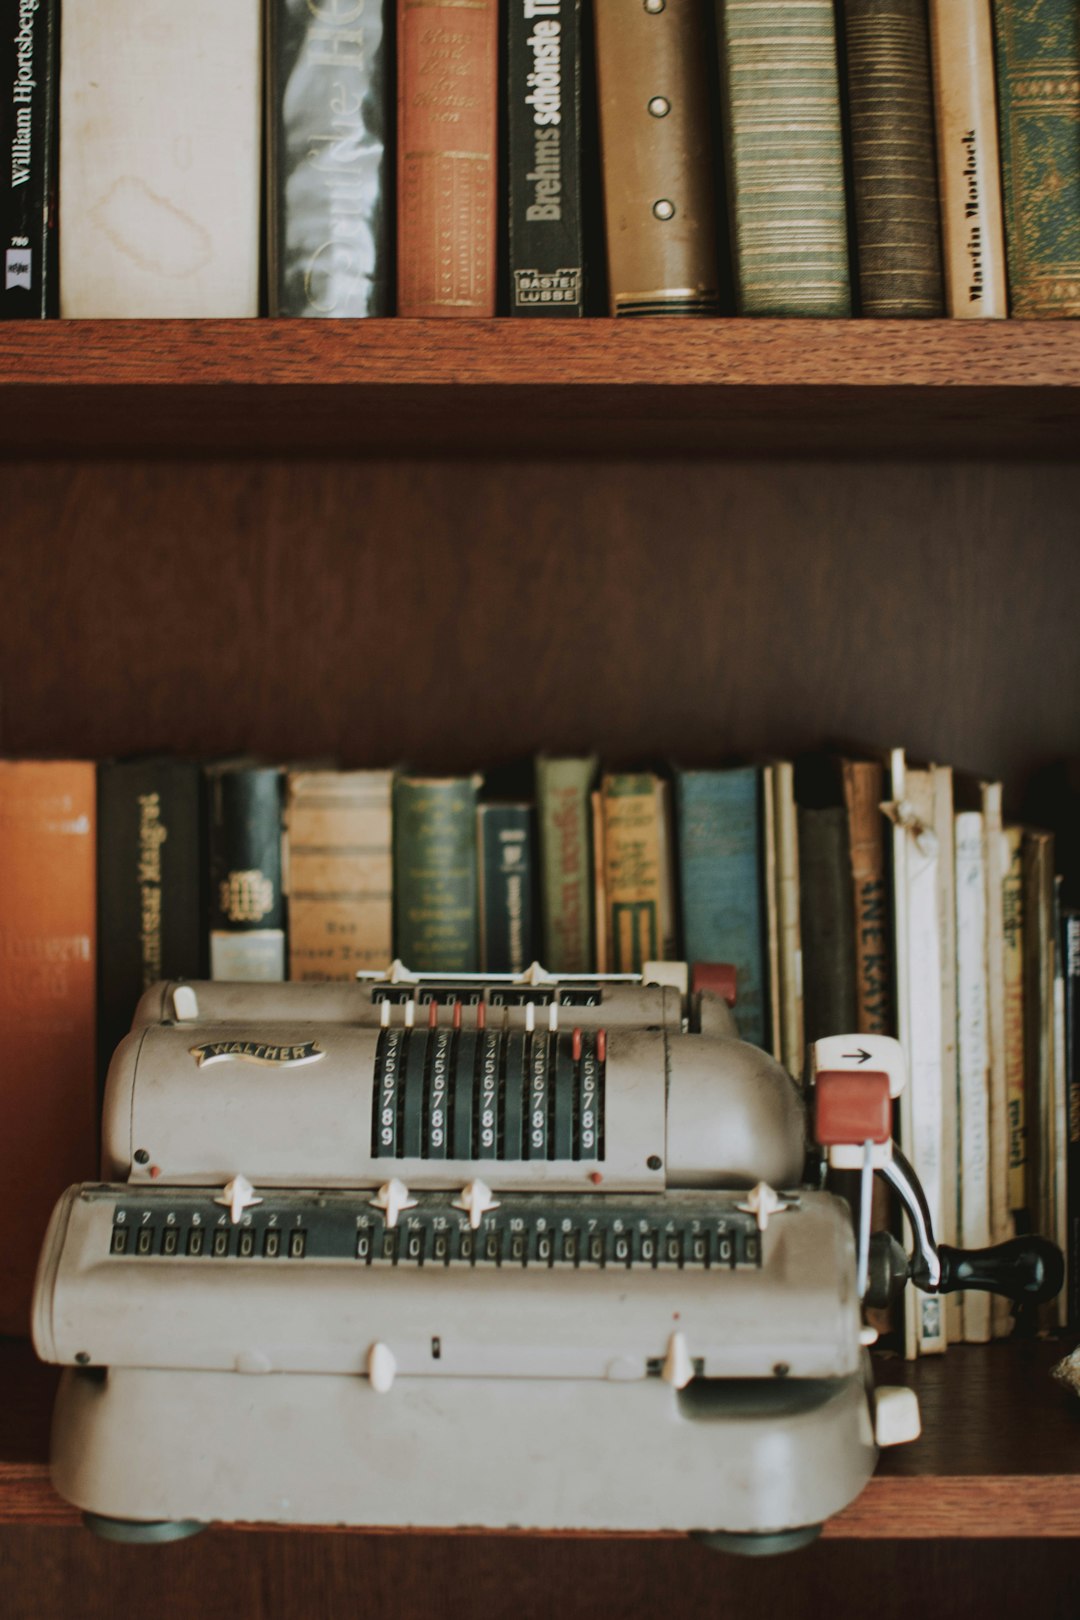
[
  {"x": 850, "y": 1107},
  {"x": 719, "y": 977}
]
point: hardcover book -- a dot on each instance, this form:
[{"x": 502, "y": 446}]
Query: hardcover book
[
  {"x": 329, "y": 205},
  {"x": 785, "y": 869},
  {"x": 339, "y": 872},
  {"x": 506, "y": 862},
  {"x": 1039, "y": 1070},
  {"x": 827, "y": 921},
  {"x": 780, "y": 100},
  {"x": 29, "y": 38},
  {"x": 448, "y": 52},
  {"x": 969, "y": 178},
  {"x": 151, "y": 876},
  {"x": 720, "y": 831},
  {"x": 973, "y": 1029},
  {"x": 547, "y": 257},
  {"x": 160, "y": 106},
  {"x": 891, "y": 134},
  {"x": 1071, "y": 953},
  {"x": 1038, "y": 79},
  {"x": 656, "y": 149},
  {"x": 435, "y": 880},
  {"x": 637, "y": 865},
  {"x": 563, "y": 787},
  {"x": 247, "y": 906},
  {"x": 48, "y": 1091},
  {"x": 1013, "y": 924},
  {"x": 864, "y": 790}
]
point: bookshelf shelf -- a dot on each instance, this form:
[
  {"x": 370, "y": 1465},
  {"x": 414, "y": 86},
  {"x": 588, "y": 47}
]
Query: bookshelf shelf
[
  {"x": 828, "y": 388},
  {"x": 999, "y": 1455}
]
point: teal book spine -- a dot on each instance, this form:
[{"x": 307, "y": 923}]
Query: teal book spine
[
  {"x": 1037, "y": 47},
  {"x": 721, "y": 877},
  {"x": 435, "y": 885},
  {"x": 783, "y": 146}
]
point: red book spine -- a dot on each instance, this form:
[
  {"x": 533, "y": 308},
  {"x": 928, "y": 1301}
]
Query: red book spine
[{"x": 448, "y": 54}]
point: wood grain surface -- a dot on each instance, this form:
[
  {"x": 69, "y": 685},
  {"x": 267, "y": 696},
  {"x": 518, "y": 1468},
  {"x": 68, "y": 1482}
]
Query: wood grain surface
[{"x": 655, "y": 386}]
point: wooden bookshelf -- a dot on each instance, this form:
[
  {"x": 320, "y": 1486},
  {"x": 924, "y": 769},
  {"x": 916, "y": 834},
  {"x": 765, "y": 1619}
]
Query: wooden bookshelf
[
  {"x": 402, "y": 387},
  {"x": 999, "y": 1455}
]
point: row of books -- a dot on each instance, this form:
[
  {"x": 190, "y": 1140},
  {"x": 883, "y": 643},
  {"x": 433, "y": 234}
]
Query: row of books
[
  {"x": 786, "y": 157},
  {"x": 853, "y": 894}
]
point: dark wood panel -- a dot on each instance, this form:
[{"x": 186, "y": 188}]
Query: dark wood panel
[{"x": 454, "y": 614}]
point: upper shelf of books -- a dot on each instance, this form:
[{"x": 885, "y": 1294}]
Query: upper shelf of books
[{"x": 650, "y": 386}]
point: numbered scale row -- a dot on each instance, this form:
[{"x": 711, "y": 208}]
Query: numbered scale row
[
  {"x": 571, "y": 1232},
  {"x": 482, "y": 1094}
]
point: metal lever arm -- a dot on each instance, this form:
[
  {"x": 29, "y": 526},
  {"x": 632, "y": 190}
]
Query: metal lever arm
[{"x": 925, "y": 1267}]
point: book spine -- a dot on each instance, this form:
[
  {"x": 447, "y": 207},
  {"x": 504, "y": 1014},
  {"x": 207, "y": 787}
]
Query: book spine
[
  {"x": 864, "y": 789},
  {"x": 338, "y": 873},
  {"x": 633, "y": 872},
  {"x": 789, "y": 917},
  {"x": 29, "y": 31},
  {"x": 1038, "y": 879},
  {"x": 435, "y": 882},
  {"x": 447, "y": 100},
  {"x": 969, "y": 180},
  {"x": 771, "y": 891},
  {"x": 565, "y": 818},
  {"x": 897, "y": 810},
  {"x": 1013, "y": 928},
  {"x": 721, "y": 862},
  {"x": 48, "y": 1095},
  {"x": 1038, "y": 76},
  {"x": 547, "y": 258},
  {"x": 656, "y": 153},
  {"x": 505, "y": 843},
  {"x": 328, "y": 174},
  {"x": 1001, "y": 1223},
  {"x": 599, "y": 880},
  {"x": 891, "y": 126},
  {"x": 1071, "y": 938},
  {"x": 941, "y": 781},
  {"x": 974, "y": 1057},
  {"x": 828, "y": 922},
  {"x": 780, "y": 101},
  {"x": 151, "y": 870},
  {"x": 247, "y": 907},
  {"x": 1060, "y": 1228}
]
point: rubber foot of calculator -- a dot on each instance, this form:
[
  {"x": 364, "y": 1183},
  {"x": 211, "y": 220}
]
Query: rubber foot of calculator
[
  {"x": 140, "y": 1532},
  {"x": 758, "y": 1546}
]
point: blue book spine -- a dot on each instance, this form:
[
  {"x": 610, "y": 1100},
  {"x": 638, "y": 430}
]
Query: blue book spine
[{"x": 721, "y": 882}]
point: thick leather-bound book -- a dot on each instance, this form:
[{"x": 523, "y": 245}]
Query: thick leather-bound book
[
  {"x": 656, "y": 145},
  {"x": 638, "y": 870},
  {"x": 722, "y": 865},
  {"x": 780, "y": 97},
  {"x": 829, "y": 986},
  {"x": 29, "y": 40},
  {"x": 864, "y": 790},
  {"x": 506, "y": 845},
  {"x": 339, "y": 872},
  {"x": 563, "y": 787},
  {"x": 151, "y": 877},
  {"x": 247, "y": 906},
  {"x": 969, "y": 179},
  {"x": 547, "y": 253},
  {"x": 891, "y": 130},
  {"x": 1038, "y": 74},
  {"x": 329, "y": 208},
  {"x": 435, "y": 880},
  {"x": 448, "y": 64},
  {"x": 48, "y": 1092}
]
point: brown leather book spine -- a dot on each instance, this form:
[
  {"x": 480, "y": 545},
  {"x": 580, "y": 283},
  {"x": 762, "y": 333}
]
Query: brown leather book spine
[
  {"x": 864, "y": 789},
  {"x": 656, "y": 148},
  {"x": 891, "y": 120},
  {"x": 447, "y": 110},
  {"x": 48, "y": 1089}
]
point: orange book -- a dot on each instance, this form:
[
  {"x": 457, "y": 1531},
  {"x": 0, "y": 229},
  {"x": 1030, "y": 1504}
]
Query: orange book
[{"x": 48, "y": 1088}]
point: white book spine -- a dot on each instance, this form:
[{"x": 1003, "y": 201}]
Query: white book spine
[
  {"x": 948, "y": 1231},
  {"x": 160, "y": 112},
  {"x": 997, "y": 860},
  {"x": 974, "y": 1052}
]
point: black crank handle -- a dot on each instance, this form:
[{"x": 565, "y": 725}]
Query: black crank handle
[{"x": 1027, "y": 1270}]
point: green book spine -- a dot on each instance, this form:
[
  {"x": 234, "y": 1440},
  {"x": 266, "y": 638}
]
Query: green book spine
[
  {"x": 562, "y": 792},
  {"x": 435, "y": 897},
  {"x": 828, "y": 920},
  {"x": 1037, "y": 45},
  {"x": 780, "y": 100}
]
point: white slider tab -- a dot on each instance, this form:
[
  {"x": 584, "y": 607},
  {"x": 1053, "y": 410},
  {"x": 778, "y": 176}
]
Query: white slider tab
[
  {"x": 238, "y": 1195},
  {"x": 675, "y": 975},
  {"x": 678, "y": 1369},
  {"x": 381, "y": 1368},
  {"x": 896, "y": 1416},
  {"x": 185, "y": 1004},
  {"x": 392, "y": 1197},
  {"x": 763, "y": 1201},
  {"x": 398, "y": 973},
  {"x": 868, "y": 1053},
  {"x": 476, "y": 1200}
]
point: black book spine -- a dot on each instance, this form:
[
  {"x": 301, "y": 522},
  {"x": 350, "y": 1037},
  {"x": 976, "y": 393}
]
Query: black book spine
[
  {"x": 506, "y": 869},
  {"x": 1071, "y": 954},
  {"x": 328, "y": 86},
  {"x": 150, "y": 872},
  {"x": 547, "y": 272},
  {"x": 828, "y": 923},
  {"x": 29, "y": 32},
  {"x": 247, "y": 906}
]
